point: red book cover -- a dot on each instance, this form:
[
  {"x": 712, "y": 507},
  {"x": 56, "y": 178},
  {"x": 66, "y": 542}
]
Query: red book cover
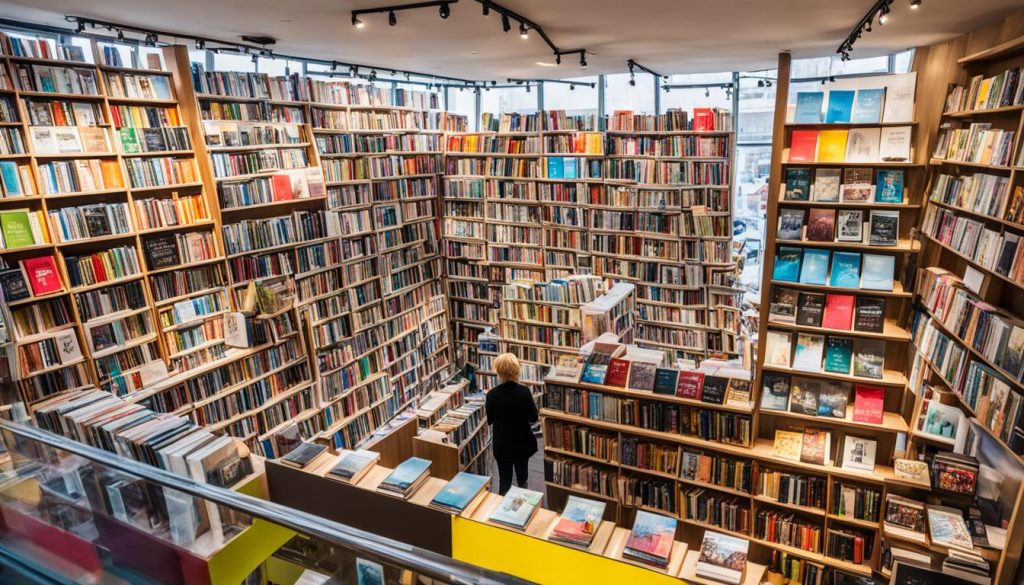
[
  {"x": 282, "y": 187},
  {"x": 868, "y": 404},
  {"x": 690, "y": 384},
  {"x": 858, "y": 550},
  {"x": 42, "y": 275},
  {"x": 804, "y": 146},
  {"x": 703, "y": 119},
  {"x": 838, "y": 312},
  {"x": 99, "y": 269},
  {"x": 618, "y": 372}
]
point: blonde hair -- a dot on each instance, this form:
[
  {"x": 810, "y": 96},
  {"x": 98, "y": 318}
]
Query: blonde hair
[{"x": 506, "y": 366}]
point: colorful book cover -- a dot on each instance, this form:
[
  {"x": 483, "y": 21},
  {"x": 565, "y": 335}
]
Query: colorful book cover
[
  {"x": 833, "y": 399},
  {"x": 579, "y": 521},
  {"x": 791, "y": 224},
  {"x": 868, "y": 107},
  {"x": 838, "y": 355},
  {"x": 798, "y": 184},
  {"x": 594, "y": 373},
  {"x": 406, "y": 474},
  {"x": 460, "y": 491},
  {"x": 42, "y": 275},
  {"x": 369, "y": 572},
  {"x": 890, "y": 186},
  {"x": 859, "y": 453},
  {"x": 838, "y": 312},
  {"x": 845, "y": 270},
  {"x": 354, "y": 463},
  {"x": 641, "y": 376},
  {"x": 826, "y": 185},
  {"x": 556, "y": 167},
  {"x": 884, "y": 227},
  {"x": 868, "y": 404},
  {"x": 878, "y": 272},
  {"x": 782, "y": 309},
  {"x": 810, "y": 350},
  {"x": 517, "y": 507},
  {"x": 569, "y": 166},
  {"x": 129, "y": 140},
  {"x": 788, "y": 445},
  {"x": 787, "y": 264},
  {"x": 803, "y": 146},
  {"x": 840, "y": 106},
  {"x": 652, "y": 538},
  {"x": 808, "y": 107},
  {"x": 722, "y": 557},
  {"x": 821, "y": 225},
  {"x": 814, "y": 269},
  {"x": 9, "y": 174},
  {"x": 666, "y": 381},
  {"x": 832, "y": 146},
  {"x": 815, "y": 446},
  {"x": 17, "y": 229},
  {"x": 714, "y": 389},
  {"x": 775, "y": 391},
  {"x": 803, "y": 397},
  {"x": 13, "y": 286},
  {"x": 690, "y": 384},
  {"x": 618, "y": 372}
]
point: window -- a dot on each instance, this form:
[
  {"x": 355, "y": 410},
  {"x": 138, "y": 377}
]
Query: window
[
  {"x": 463, "y": 103},
  {"x": 575, "y": 100},
  {"x": 507, "y": 99},
  {"x": 147, "y": 53},
  {"x": 904, "y": 61},
  {"x": 278, "y": 67},
  {"x": 756, "y": 114},
  {"x": 750, "y": 200},
  {"x": 231, "y": 62},
  {"x": 620, "y": 95},
  {"x": 198, "y": 56},
  {"x": 690, "y": 98}
]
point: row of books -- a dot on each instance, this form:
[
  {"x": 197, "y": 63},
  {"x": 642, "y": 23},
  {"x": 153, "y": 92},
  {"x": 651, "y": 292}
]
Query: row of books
[
  {"x": 823, "y": 398},
  {"x": 986, "y": 93},
  {"x": 847, "y": 106},
  {"x": 979, "y": 143},
  {"x": 864, "y": 358},
  {"x": 851, "y": 185},
  {"x": 889, "y": 144}
]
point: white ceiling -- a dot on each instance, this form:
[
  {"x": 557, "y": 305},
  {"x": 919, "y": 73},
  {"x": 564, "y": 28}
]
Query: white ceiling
[{"x": 669, "y": 36}]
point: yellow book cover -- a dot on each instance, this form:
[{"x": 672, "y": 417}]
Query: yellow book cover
[
  {"x": 986, "y": 86},
  {"x": 594, "y": 144},
  {"x": 832, "y": 146},
  {"x": 788, "y": 445}
]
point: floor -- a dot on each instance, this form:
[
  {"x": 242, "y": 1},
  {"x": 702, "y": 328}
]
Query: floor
[{"x": 536, "y": 479}]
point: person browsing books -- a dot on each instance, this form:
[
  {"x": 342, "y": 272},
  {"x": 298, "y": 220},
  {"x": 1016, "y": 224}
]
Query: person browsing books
[{"x": 511, "y": 411}]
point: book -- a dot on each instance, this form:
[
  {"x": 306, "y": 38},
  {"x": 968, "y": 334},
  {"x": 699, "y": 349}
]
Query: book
[
  {"x": 778, "y": 348},
  {"x": 821, "y": 225},
  {"x": 868, "y": 107},
  {"x": 899, "y": 98},
  {"x": 814, "y": 269},
  {"x": 856, "y": 193},
  {"x": 594, "y": 373},
  {"x": 738, "y": 393},
  {"x": 889, "y": 187},
  {"x": 859, "y": 453},
  {"x": 787, "y": 264},
  {"x": 838, "y": 312},
  {"x": 868, "y": 358},
  {"x": 161, "y": 251},
  {"x": 804, "y": 396},
  {"x": 862, "y": 145},
  {"x": 791, "y": 224},
  {"x": 578, "y": 522},
  {"x": 690, "y": 384},
  {"x": 826, "y": 185},
  {"x": 808, "y": 107},
  {"x": 832, "y": 146},
  {"x": 13, "y": 285},
  {"x": 878, "y": 272},
  {"x": 884, "y": 228},
  {"x": 16, "y": 229},
  {"x": 894, "y": 144},
  {"x": 651, "y": 539},
  {"x": 912, "y": 471},
  {"x": 850, "y": 225},
  {"x": 408, "y": 476},
  {"x": 368, "y": 573},
  {"x": 840, "y": 106},
  {"x": 42, "y": 275},
  {"x": 803, "y": 147},
  {"x": 782, "y": 309},
  {"x": 810, "y": 349},
  {"x": 869, "y": 315},
  {"x": 838, "y": 355},
  {"x": 774, "y": 391},
  {"x": 904, "y": 514},
  {"x": 713, "y": 390},
  {"x": 722, "y": 557},
  {"x": 810, "y": 309},
  {"x": 302, "y": 455},
  {"x": 517, "y": 508},
  {"x": 798, "y": 184},
  {"x": 845, "y": 270},
  {"x": 948, "y": 528},
  {"x": 354, "y": 465},
  {"x": 641, "y": 376},
  {"x": 788, "y": 445},
  {"x": 942, "y": 420},
  {"x": 815, "y": 446},
  {"x": 618, "y": 372},
  {"x": 666, "y": 381},
  {"x": 833, "y": 399},
  {"x": 460, "y": 492},
  {"x": 868, "y": 404},
  {"x": 567, "y": 368}
]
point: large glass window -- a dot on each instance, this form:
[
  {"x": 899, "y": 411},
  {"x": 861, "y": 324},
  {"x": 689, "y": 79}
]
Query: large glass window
[
  {"x": 464, "y": 103},
  {"x": 278, "y": 67},
  {"x": 692, "y": 97},
  {"x": 508, "y": 99},
  {"x": 232, "y": 62},
  {"x": 620, "y": 95},
  {"x": 574, "y": 99}
]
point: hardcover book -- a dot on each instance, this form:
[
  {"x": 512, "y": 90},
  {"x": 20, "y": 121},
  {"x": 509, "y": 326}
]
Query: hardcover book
[
  {"x": 862, "y": 145},
  {"x": 821, "y": 225},
  {"x": 803, "y": 148},
  {"x": 651, "y": 539},
  {"x": 826, "y": 185},
  {"x": 815, "y": 447},
  {"x": 460, "y": 492},
  {"x": 787, "y": 264},
  {"x": 840, "y": 107},
  {"x": 788, "y": 445},
  {"x": 774, "y": 391},
  {"x": 868, "y": 404},
  {"x": 808, "y": 107},
  {"x": 791, "y": 224},
  {"x": 405, "y": 478},
  {"x": 690, "y": 384},
  {"x": 838, "y": 312},
  {"x": 833, "y": 399},
  {"x": 13, "y": 285},
  {"x": 913, "y": 471},
  {"x": 890, "y": 186},
  {"x": 42, "y": 275},
  {"x": 885, "y": 228},
  {"x": 783, "y": 306},
  {"x": 832, "y": 146},
  {"x": 868, "y": 107},
  {"x": 804, "y": 396},
  {"x": 810, "y": 309},
  {"x": 722, "y": 557},
  {"x": 714, "y": 389},
  {"x": 641, "y": 376},
  {"x": 517, "y": 508},
  {"x": 850, "y": 225},
  {"x": 738, "y": 393},
  {"x": 838, "y": 355},
  {"x": 303, "y": 454},
  {"x": 878, "y": 272},
  {"x": 665, "y": 381},
  {"x": 778, "y": 348},
  {"x": 859, "y": 453},
  {"x": 845, "y": 270},
  {"x": 947, "y": 528},
  {"x": 894, "y": 144},
  {"x": 618, "y": 373},
  {"x": 798, "y": 184},
  {"x": 354, "y": 465},
  {"x": 810, "y": 349},
  {"x": 579, "y": 522},
  {"x": 868, "y": 358},
  {"x": 594, "y": 373},
  {"x": 904, "y": 514},
  {"x": 161, "y": 251},
  {"x": 814, "y": 269},
  {"x": 17, "y": 229},
  {"x": 856, "y": 193},
  {"x": 869, "y": 315}
]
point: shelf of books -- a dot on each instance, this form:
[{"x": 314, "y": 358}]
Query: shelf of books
[{"x": 664, "y": 222}]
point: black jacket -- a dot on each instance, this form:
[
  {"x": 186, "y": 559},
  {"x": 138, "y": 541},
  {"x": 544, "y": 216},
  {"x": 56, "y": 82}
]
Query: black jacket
[{"x": 511, "y": 410}]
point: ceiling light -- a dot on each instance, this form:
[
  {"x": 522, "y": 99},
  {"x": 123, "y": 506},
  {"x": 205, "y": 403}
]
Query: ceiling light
[
  {"x": 707, "y": 92},
  {"x": 80, "y": 28},
  {"x": 392, "y": 19},
  {"x": 120, "y": 35},
  {"x": 505, "y": 24},
  {"x": 444, "y": 10},
  {"x": 546, "y": 64},
  {"x": 487, "y": 10},
  {"x": 356, "y": 22},
  {"x": 632, "y": 80},
  {"x": 760, "y": 83},
  {"x": 200, "y": 44},
  {"x": 353, "y": 71},
  {"x": 583, "y": 60},
  {"x": 527, "y": 88},
  {"x": 884, "y": 16},
  {"x": 523, "y": 33},
  {"x": 915, "y": 4},
  {"x": 572, "y": 87},
  {"x": 558, "y": 58}
]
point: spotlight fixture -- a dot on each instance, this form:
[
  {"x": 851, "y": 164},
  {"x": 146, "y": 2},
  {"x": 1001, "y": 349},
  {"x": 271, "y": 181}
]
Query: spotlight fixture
[
  {"x": 353, "y": 71},
  {"x": 572, "y": 87},
  {"x": 760, "y": 83},
  {"x": 254, "y": 57},
  {"x": 487, "y": 10},
  {"x": 334, "y": 66},
  {"x": 666, "y": 88},
  {"x": 868, "y": 26},
  {"x": 444, "y": 10},
  {"x": 392, "y": 19},
  {"x": 527, "y": 88},
  {"x": 523, "y": 32},
  {"x": 823, "y": 81},
  {"x": 831, "y": 78},
  {"x": 120, "y": 35},
  {"x": 583, "y": 60},
  {"x": 558, "y": 58},
  {"x": 915, "y": 4},
  {"x": 707, "y": 92},
  {"x": 80, "y": 28},
  {"x": 505, "y": 24},
  {"x": 632, "y": 80},
  {"x": 356, "y": 22},
  {"x": 883, "y": 17},
  {"x": 151, "y": 39},
  {"x": 200, "y": 44}
]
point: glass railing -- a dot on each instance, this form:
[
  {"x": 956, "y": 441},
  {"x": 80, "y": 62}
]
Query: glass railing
[{"x": 70, "y": 512}]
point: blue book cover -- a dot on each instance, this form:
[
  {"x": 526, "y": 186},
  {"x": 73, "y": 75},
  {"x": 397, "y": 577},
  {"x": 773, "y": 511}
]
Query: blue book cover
[
  {"x": 594, "y": 373},
  {"x": 460, "y": 491},
  {"x": 878, "y": 272},
  {"x": 569, "y": 170},
  {"x": 840, "y": 106},
  {"x": 815, "y": 266},
  {"x": 556, "y": 168},
  {"x": 890, "y": 187},
  {"x": 9, "y": 174},
  {"x": 406, "y": 474},
  {"x": 808, "y": 107},
  {"x": 787, "y": 264},
  {"x": 868, "y": 109},
  {"x": 845, "y": 270}
]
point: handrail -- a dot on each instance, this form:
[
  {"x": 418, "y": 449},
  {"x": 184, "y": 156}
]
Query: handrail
[{"x": 423, "y": 561}]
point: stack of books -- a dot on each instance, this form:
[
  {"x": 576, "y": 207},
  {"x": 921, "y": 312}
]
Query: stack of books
[{"x": 407, "y": 477}]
